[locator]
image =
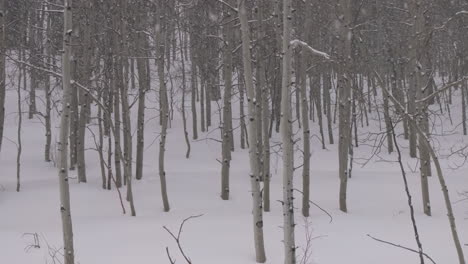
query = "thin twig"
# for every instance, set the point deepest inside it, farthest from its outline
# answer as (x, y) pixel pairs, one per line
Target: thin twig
(408, 195)
(177, 238)
(400, 246)
(169, 256)
(323, 210)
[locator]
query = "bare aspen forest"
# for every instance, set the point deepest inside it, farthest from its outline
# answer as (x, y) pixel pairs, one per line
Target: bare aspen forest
(233, 131)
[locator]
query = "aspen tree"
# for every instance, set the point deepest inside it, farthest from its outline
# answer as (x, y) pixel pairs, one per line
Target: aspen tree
(49, 51)
(164, 112)
(18, 135)
(344, 92)
(65, 210)
(143, 86)
(193, 95)
(305, 134)
(418, 90)
(264, 120)
(252, 127)
(227, 117)
(287, 141)
(184, 89)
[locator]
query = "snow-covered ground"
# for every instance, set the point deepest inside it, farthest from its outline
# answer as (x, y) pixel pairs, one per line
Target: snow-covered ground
(376, 201)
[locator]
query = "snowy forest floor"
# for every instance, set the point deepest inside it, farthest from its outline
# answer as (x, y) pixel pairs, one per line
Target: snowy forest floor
(377, 204)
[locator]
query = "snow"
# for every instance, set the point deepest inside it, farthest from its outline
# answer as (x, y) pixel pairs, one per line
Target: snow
(102, 234)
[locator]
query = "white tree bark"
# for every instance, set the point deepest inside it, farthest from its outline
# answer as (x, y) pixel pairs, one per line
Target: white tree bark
(252, 128)
(164, 113)
(47, 91)
(418, 62)
(19, 143)
(344, 87)
(184, 90)
(226, 129)
(305, 135)
(264, 122)
(143, 86)
(67, 229)
(194, 89)
(286, 139)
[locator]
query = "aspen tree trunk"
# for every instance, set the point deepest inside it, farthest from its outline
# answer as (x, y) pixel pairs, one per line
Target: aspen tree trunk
(184, 89)
(123, 85)
(132, 74)
(194, 84)
(202, 105)
(2, 69)
(258, 86)
(382, 41)
(266, 149)
(287, 141)
(258, 118)
(127, 136)
(109, 161)
(47, 91)
(208, 94)
(33, 56)
(463, 94)
(226, 129)
(254, 169)
(276, 105)
(306, 135)
(388, 124)
(143, 86)
(412, 73)
(107, 116)
(114, 93)
(326, 92)
(317, 98)
(265, 116)
(65, 210)
(18, 136)
(22, 51)
(84, 97)
(102, 162)
(117, 154)
(297, 105)
(108, 83)
(74, 118)
(164, 113)
(417, 63)
(243, 127)
(353, 126)
(344, 88)
(311, 99)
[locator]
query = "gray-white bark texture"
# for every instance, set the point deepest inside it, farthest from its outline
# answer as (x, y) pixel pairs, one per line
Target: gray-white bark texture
(164, 112)
(252, 128)
(344, 92)
(287, 141)
(65, 210)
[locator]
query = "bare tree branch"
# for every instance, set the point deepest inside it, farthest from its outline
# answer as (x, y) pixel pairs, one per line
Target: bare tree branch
(400, 246)
(178, 237)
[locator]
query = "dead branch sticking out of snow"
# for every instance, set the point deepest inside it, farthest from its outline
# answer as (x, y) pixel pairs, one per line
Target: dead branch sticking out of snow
(177, 240)
(400, 246)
